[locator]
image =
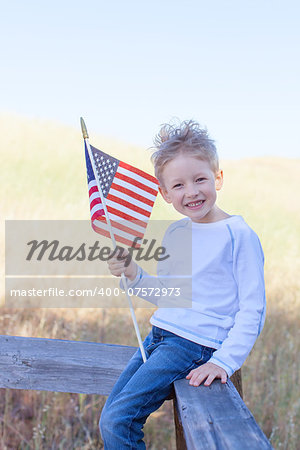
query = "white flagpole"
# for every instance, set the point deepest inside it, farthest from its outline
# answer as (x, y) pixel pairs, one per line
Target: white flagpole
(124, 281)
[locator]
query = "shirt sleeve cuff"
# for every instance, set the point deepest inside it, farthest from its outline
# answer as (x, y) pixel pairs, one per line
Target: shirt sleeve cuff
(133, 283)
(229, 370)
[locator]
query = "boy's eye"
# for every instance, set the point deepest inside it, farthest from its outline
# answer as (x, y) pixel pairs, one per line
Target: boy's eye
(177, 185)
(200, 179)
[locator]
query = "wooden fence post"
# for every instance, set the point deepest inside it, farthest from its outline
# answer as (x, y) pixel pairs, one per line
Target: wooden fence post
(180, 439)
(206, 418)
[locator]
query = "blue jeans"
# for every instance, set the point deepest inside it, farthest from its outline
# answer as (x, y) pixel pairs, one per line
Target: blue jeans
(143, 387)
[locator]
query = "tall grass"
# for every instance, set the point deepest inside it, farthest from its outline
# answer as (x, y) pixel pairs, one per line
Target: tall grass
(43, 177)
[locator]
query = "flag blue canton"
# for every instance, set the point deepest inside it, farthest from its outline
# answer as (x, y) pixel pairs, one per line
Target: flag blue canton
(106, 167)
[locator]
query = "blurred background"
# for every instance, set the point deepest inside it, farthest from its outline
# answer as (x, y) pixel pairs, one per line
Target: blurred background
(127, 68)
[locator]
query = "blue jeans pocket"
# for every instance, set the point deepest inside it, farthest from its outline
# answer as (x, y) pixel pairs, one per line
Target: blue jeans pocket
(206, 354)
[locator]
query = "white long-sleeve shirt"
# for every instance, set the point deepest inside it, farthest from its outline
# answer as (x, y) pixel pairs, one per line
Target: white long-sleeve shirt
(218, 269)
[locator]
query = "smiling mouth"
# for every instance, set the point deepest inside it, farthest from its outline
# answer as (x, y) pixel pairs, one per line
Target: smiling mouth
(194, 204)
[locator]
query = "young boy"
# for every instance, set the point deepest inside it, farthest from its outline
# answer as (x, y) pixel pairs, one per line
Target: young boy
(213, 337)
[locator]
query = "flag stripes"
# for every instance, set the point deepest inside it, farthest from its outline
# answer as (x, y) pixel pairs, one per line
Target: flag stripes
(128, 205)
(106, 233)
(120, 228)
(131, 194)
(141, 176)
(125, 216)
(135, 182)
(124, 185)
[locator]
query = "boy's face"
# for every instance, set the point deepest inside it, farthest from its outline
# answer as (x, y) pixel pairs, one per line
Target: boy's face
(190, 185)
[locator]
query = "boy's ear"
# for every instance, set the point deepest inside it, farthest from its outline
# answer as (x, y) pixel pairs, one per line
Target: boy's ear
(219, 180)
(164, 194)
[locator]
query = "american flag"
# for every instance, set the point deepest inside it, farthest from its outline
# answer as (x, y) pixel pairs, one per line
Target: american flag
(129, 192)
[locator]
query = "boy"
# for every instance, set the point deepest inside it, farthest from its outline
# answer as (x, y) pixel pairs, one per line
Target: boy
(213, 337)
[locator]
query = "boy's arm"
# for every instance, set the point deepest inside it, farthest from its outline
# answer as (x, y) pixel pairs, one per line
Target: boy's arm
(172, 286)
(142, 285)
(163, 290)
(248, 271)
(140, 282)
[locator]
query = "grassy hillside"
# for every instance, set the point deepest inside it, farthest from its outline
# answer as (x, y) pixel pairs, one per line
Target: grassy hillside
(43, 177)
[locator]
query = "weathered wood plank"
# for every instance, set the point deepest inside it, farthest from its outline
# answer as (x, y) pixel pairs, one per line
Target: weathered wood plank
(236, 379)
(179, 433)
(216, 418)
(61, 366)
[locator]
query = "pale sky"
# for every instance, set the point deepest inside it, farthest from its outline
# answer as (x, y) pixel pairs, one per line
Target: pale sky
(129, 66)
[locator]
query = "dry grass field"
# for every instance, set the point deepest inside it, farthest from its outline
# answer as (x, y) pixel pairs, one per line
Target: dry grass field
(43, 177)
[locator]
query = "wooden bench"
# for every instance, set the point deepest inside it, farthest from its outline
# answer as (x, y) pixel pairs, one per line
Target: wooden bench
(209, 418)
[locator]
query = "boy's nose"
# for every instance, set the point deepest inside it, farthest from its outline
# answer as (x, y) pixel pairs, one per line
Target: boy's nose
(192, 191)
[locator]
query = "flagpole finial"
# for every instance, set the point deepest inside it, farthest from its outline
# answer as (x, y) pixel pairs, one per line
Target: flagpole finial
(83, 129)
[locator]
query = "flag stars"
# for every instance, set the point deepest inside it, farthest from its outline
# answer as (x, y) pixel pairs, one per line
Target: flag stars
(106, 168)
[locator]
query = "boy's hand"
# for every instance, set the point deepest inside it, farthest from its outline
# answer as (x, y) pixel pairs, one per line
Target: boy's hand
(118, 264)
(208, 371)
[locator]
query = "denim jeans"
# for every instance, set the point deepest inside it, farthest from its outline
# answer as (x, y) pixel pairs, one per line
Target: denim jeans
(143, 387)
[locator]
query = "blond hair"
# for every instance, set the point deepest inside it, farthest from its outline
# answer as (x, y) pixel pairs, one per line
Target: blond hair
(185, 138)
